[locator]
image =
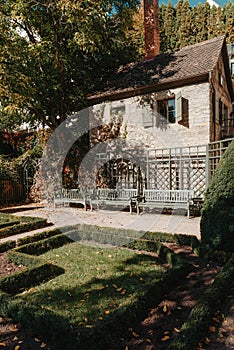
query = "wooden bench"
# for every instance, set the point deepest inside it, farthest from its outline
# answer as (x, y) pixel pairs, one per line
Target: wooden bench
(113, 197)
(165, 199)
(69, 196)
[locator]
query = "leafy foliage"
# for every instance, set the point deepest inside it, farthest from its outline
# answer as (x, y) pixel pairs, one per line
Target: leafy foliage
(53, 53)
(217, 228)
(202, 22)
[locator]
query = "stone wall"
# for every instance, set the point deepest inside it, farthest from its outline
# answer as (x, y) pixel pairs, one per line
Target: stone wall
(139, 118)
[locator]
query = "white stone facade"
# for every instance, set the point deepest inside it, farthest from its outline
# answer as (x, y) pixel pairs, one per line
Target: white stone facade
(140, 126)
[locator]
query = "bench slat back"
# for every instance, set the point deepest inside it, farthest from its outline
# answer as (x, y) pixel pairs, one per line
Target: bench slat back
(112, 194)
(168, 195)
(72, 194)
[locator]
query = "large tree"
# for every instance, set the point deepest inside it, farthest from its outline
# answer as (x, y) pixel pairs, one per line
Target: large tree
(54, 52)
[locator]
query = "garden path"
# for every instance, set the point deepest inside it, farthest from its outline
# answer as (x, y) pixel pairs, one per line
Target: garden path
(154, 222)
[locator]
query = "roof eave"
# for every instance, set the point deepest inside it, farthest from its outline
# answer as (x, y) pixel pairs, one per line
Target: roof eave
(141, 90)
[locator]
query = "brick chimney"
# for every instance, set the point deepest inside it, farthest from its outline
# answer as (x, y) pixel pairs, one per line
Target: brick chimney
(152, 33)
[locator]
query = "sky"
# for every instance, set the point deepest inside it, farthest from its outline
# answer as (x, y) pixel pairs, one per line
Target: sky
(194, 2)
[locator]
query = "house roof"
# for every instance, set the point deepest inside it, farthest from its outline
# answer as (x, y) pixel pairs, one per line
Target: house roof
(191, 63)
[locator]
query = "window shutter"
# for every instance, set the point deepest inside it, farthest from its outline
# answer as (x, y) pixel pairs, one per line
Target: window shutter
(179, 107)
(147, 118)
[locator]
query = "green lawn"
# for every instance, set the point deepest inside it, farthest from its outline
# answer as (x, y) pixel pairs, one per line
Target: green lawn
(96, 282)
(101, 291)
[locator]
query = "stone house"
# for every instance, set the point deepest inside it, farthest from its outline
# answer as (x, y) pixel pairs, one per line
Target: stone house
(173, 100)
(168, 108)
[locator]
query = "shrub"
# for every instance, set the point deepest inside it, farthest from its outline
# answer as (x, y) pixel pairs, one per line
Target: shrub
(217, 219)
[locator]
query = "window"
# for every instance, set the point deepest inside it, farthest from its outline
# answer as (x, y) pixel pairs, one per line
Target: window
(232, 68)
(220, 79)
(220, 111)
(166, 109)
(117, 114)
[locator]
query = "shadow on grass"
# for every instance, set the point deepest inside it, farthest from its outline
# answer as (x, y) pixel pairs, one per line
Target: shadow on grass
(92, 315)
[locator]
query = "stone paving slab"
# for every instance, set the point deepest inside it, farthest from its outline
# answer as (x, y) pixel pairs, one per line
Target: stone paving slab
(154, 222)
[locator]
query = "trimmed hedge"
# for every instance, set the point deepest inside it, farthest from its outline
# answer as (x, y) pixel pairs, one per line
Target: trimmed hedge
(217, 220)
(26, 224)
(7, 224)
(7, 245)
(197, 323)
(120, 237)
(43, 246)
(18, 282)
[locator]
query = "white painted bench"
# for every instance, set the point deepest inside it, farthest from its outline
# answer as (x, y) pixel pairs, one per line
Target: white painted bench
(113, 197)
(69, 196)
(166, 199)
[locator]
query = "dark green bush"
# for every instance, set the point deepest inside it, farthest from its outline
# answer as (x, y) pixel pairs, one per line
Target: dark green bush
(217, 221)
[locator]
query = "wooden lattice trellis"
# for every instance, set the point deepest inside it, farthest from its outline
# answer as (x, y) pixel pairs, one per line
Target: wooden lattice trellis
(179, 168)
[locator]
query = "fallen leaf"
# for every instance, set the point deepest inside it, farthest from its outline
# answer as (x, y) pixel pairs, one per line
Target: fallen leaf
(212, 329)
(17, 347)
(135, 334)
(165, 338)
(107, 312)
(207, 341)
(1, 320)
(114, 285)
(195, 265)
(15, 338)
(88, 326)
(176, 330)
(166, 332)
(101, 287)
(126, 347)
(3, 344)
(85, 319)
(215, 319)
(37, 340)
(14, 328)
(148, 341)
(43, 345)
(165, 308)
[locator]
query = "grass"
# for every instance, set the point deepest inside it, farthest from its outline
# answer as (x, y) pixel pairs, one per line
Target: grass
(102, 291)
(96, 283)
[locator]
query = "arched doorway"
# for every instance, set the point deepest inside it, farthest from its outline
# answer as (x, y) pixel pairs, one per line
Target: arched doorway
(120, 173)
